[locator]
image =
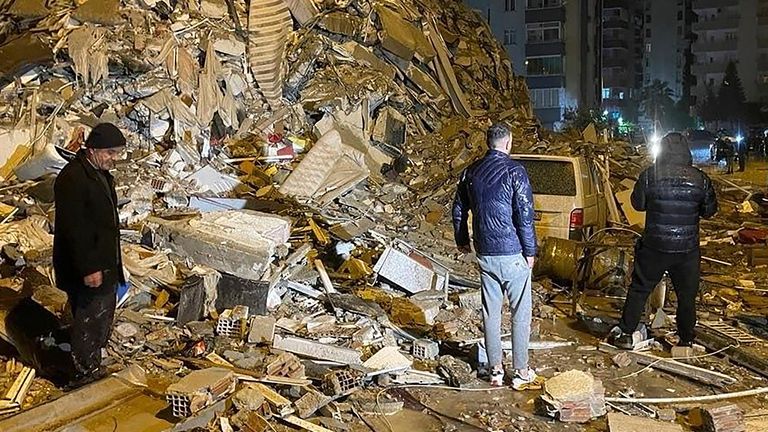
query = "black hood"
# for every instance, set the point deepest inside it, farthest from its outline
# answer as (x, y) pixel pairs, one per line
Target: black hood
(674, 150)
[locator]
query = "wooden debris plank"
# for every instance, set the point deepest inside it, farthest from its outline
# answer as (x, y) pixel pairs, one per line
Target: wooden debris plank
(305, 424)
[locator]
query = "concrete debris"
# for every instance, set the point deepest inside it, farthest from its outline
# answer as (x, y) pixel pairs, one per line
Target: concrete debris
(312, 401)
(573, 397)
(262, 330)
(284, 209)
(199, 390)
(286, 365)
(425, 349)
(248, 399)
(624, 423)
(724, 418)
(316, 350)
(457, 373)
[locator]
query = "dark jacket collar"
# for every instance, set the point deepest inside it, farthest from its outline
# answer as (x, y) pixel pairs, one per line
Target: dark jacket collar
(102, 177)
(496, 153)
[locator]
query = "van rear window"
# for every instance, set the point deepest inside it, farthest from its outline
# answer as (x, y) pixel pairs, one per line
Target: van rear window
(551, 177)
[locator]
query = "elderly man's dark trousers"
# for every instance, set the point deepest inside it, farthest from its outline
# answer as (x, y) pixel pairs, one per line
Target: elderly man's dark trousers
(93, 312)
(650, 266)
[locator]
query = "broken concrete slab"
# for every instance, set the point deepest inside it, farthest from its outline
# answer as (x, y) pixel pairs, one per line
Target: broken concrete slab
(248, 399)
(624, 423)
(240, 242)
(388, 359)
(457, 373)
(414, 313)
(262, 330)
(316, 350)
(402, 38)
(310, 402)
(405, 272)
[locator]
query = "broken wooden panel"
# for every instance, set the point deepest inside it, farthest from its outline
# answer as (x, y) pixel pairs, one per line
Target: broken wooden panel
(304, 11)
(269, 23)
(330, 169)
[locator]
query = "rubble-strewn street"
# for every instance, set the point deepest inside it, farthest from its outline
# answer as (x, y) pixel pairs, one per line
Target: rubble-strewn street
(285, 204)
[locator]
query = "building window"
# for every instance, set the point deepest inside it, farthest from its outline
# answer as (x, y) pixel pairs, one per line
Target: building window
(542, 4)
(551, 65)
(731, 36)
(621, 95)
(543, 32)
(546, 98)
(510, 37)
(509, 5)
(606, 93)
(647, 47)
(679, 15)
(647, 32)
(648, 19)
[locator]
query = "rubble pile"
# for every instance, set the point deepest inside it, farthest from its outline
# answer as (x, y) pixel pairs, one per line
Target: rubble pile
(285, 197)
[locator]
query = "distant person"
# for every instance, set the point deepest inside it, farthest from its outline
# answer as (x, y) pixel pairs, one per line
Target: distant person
(86, 247)
(742, 151)
(674, 195)
(497, 191)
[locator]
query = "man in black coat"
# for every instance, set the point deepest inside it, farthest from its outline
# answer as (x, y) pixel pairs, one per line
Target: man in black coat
(674, 195)
(86, 246)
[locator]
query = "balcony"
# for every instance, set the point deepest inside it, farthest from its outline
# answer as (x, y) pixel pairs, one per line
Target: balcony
(613, 62)
(615, 23)
(722, 22)
(615, 43)
(720, 45)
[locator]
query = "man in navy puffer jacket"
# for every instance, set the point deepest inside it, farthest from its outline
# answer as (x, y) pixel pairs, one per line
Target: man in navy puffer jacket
(497, 191)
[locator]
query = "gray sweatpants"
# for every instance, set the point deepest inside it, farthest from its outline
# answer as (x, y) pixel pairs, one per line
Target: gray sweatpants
(499, 276)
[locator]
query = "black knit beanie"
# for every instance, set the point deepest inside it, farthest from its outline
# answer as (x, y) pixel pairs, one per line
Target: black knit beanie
(104, 136)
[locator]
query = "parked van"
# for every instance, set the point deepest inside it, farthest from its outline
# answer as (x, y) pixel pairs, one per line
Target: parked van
(568, 196)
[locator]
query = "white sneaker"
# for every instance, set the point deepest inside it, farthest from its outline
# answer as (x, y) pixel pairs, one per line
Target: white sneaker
(497, 378)
(528, 381)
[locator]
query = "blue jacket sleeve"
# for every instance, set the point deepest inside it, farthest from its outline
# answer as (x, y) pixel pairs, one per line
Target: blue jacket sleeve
(460, 212)
(523, 211)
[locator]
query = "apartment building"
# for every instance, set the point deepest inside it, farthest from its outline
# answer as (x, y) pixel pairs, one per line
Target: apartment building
(555, 44)
(731, 30)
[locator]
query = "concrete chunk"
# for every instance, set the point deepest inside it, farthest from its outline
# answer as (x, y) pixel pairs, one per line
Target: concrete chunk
(240, 242)
(316, 350)
(262, 330)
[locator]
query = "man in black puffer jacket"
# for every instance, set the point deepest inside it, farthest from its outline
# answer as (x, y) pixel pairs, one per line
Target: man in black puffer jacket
(497, 191)
(674, 195)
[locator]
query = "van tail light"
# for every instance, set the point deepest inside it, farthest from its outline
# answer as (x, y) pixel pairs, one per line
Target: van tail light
(577, 219)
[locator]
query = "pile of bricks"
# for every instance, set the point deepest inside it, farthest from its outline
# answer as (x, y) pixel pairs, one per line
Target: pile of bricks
(572, 397)
(724, 418)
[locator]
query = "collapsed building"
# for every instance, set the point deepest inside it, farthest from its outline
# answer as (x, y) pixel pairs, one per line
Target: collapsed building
(285, 201)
